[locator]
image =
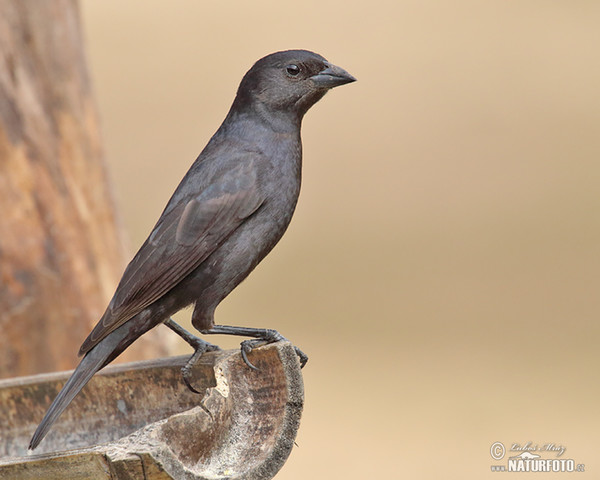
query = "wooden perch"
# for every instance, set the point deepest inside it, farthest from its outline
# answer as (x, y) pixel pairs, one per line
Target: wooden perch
(138, 421)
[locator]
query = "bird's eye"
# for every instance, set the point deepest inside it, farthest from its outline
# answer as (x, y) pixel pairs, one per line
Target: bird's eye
(292, 70)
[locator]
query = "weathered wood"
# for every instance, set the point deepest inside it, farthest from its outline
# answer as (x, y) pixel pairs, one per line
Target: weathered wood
(61, 252)
(139, 421)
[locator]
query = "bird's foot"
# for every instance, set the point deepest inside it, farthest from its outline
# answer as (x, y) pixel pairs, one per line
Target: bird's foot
(200, 348)
(262, 336)
(271, 336)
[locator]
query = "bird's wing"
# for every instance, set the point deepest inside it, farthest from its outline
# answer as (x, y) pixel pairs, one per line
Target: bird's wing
(181, 240)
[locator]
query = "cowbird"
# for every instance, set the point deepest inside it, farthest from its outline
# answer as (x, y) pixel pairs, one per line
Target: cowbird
(228, 212)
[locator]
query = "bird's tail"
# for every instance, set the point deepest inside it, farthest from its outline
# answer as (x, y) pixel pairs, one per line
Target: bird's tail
(94, 360)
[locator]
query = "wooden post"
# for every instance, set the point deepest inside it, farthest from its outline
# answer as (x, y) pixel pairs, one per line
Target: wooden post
(150, 426)
(61, 253)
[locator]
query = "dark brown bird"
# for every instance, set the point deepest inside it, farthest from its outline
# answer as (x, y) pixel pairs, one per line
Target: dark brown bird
(228, 212)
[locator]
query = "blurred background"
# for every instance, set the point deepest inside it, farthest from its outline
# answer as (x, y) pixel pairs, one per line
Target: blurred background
(442, 268)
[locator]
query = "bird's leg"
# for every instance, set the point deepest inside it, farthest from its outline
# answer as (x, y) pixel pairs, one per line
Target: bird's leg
(200, 346)
(261, 336)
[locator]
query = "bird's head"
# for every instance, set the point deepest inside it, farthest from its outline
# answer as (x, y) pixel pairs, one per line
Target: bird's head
(289, 83)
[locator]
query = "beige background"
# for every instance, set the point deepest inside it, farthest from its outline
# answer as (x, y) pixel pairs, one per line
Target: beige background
(442, 269)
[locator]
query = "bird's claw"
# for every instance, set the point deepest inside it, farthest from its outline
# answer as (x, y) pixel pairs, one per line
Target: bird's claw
(186, 373)
(303, 357)
(247, 346)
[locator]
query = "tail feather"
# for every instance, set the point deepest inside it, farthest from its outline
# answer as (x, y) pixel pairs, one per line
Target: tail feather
(93, 361)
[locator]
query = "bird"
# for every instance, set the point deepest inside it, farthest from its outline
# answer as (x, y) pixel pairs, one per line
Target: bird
(230, 209)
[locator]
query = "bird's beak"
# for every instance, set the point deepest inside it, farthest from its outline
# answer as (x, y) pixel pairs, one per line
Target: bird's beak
(332, 76)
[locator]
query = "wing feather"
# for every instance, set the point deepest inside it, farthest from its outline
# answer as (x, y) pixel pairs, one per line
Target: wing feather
(181, 240)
